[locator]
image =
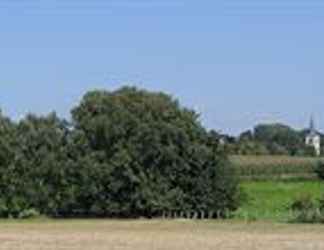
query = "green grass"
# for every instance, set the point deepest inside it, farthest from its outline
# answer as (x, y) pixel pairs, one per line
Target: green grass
(270, 200)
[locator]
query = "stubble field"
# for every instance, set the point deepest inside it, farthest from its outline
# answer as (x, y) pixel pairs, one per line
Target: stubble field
(158, 235)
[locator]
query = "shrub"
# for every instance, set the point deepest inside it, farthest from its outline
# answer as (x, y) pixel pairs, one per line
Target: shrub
(321, 204)
(303, 203)
(320, 170)
(28, 214)
(306, 210)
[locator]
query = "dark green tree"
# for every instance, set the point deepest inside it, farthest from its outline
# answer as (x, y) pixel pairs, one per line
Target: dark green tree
(156, 155)
(126, 153)
(37, 164)
(8, 178)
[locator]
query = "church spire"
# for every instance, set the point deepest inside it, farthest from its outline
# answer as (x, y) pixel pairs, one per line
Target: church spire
(313, 139)
(312, 125)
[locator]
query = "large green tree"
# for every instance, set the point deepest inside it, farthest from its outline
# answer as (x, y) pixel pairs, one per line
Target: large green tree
(126, 153)
(8, 177)
(155, 155)
(31, 175)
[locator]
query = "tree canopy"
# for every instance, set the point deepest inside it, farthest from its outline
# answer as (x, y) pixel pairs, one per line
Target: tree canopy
(126, 153)
(270, 139)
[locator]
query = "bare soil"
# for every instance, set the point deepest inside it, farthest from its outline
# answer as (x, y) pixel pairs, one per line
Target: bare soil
(158, 235)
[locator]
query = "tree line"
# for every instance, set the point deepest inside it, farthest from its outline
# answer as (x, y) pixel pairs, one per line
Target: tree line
(268, 139)
(125, 153)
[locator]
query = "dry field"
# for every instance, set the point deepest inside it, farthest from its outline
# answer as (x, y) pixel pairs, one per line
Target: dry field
(158, 235)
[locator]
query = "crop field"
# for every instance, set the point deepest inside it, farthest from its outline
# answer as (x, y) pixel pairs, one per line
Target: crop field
(158, 235)
(275, 167)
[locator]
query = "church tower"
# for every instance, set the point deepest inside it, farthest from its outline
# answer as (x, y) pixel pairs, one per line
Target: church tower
(313, 138)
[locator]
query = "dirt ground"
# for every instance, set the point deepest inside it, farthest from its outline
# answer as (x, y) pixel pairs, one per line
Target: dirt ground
(158, 235)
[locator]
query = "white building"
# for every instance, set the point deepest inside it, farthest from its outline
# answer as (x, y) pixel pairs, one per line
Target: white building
(313, 138)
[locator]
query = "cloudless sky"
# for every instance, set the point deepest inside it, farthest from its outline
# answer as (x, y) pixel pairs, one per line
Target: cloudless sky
(238, 62)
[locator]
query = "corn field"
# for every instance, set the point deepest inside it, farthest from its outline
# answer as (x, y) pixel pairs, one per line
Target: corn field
(275, 167)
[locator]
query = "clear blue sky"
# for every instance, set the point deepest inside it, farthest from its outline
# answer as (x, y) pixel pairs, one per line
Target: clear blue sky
(238, 62)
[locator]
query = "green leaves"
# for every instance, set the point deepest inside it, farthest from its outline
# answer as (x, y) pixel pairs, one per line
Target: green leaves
(272, 139)
(129, 153)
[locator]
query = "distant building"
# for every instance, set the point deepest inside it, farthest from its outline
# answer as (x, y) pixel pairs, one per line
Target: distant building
(313, 138)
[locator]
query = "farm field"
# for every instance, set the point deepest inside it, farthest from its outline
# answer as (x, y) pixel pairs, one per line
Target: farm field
(158, 235)
(275, 167)
(269, 200)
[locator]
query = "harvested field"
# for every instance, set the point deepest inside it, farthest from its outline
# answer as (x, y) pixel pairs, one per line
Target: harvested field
(158, 235)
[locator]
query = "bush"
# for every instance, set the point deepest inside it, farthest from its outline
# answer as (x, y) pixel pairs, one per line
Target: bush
(28, 214)
(320, 170)
(303, 203)
(306, 210)
(321, 205)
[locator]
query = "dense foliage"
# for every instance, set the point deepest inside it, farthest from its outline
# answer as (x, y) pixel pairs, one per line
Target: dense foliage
(320, 170)
(126, 153)
(306, 209)
(269, 139)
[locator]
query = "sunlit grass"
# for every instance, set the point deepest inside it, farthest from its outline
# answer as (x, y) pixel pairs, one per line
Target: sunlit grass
(270, 200)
